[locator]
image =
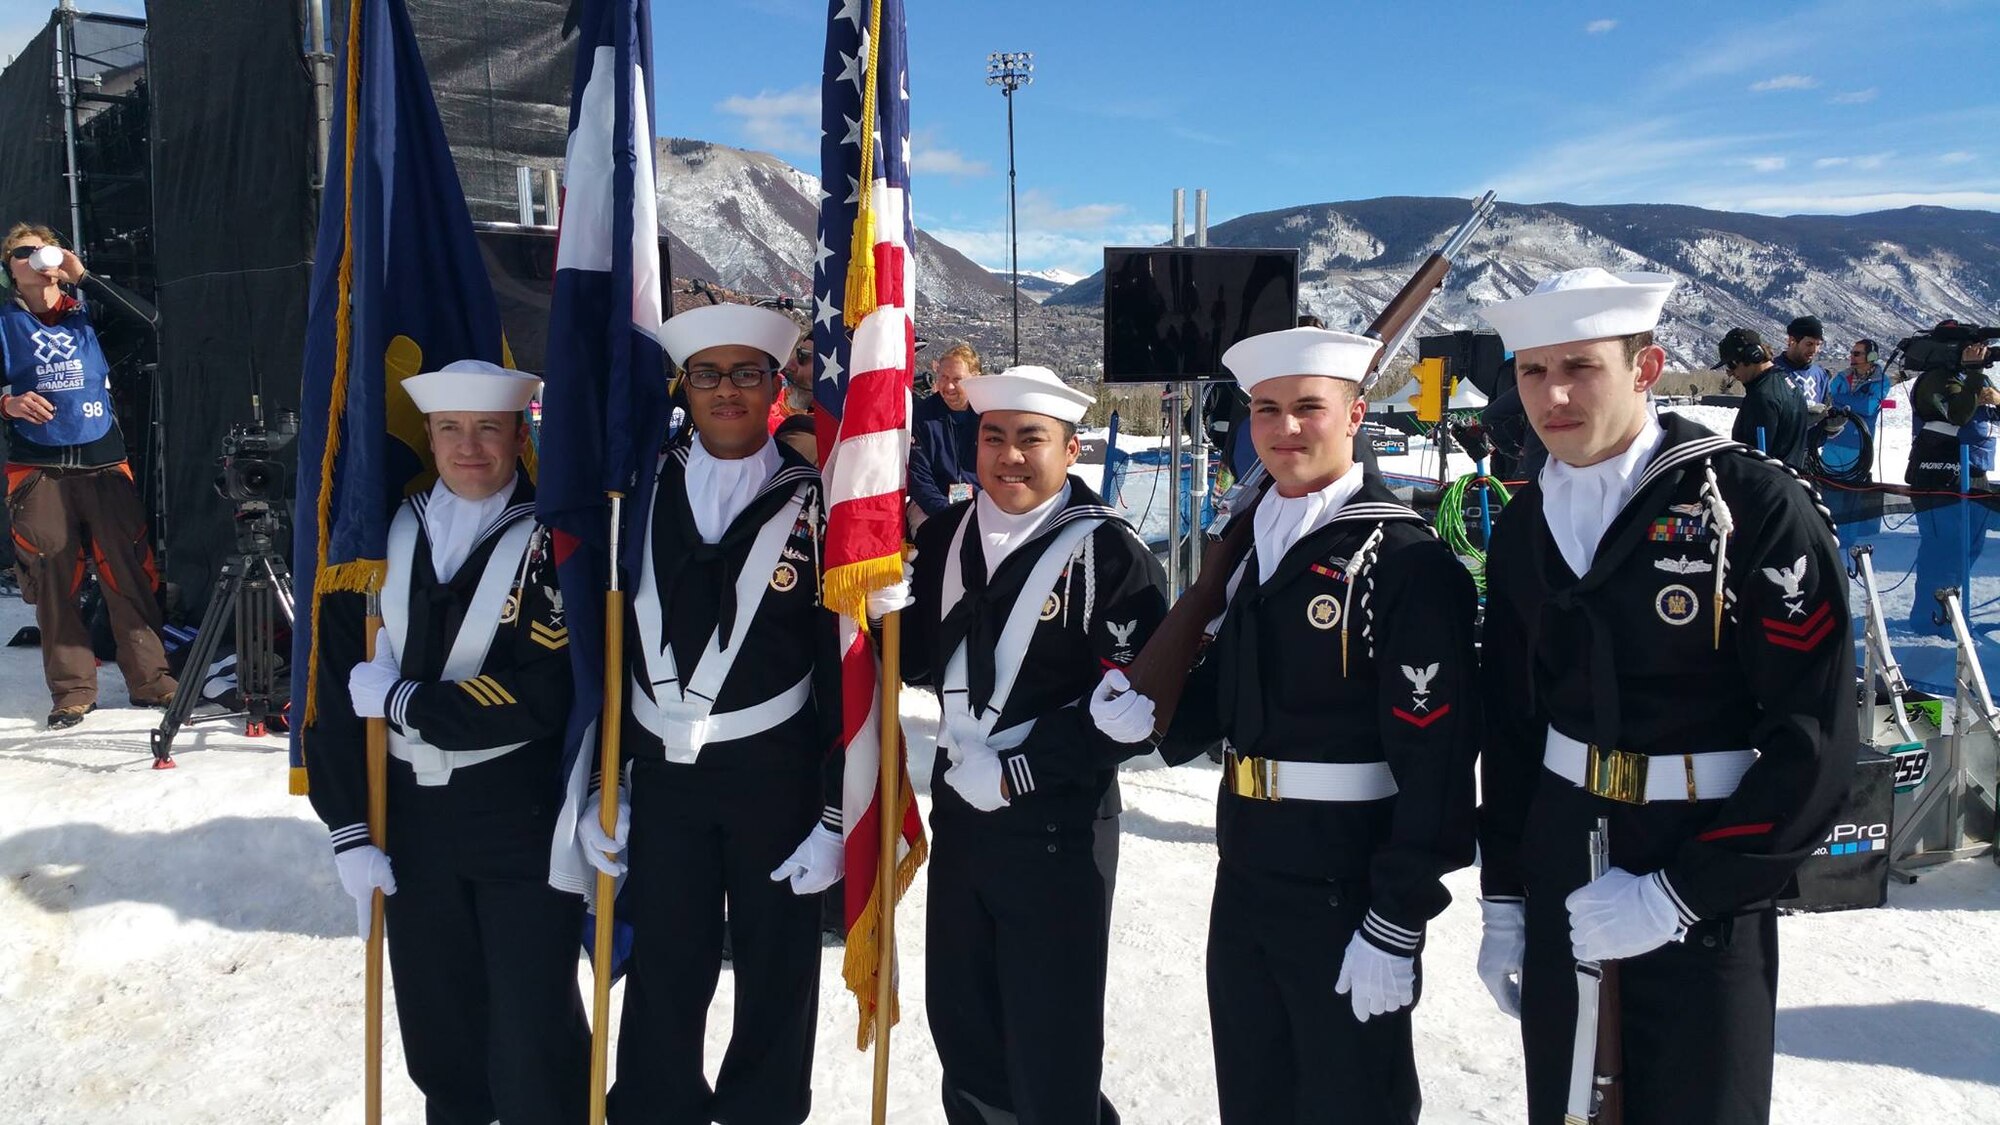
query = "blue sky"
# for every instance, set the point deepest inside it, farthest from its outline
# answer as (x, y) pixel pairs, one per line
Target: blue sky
(1836, 106)
(1781, 108)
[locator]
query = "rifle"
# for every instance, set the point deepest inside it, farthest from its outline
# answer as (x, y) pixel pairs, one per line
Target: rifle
(1161, 668)
(1597, 1056)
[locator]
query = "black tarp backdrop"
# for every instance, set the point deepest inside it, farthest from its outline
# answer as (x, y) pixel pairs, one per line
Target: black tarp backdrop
(500, 71)
(234, 214)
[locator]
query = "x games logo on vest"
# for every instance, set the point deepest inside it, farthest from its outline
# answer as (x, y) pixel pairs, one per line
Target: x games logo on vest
(57, 368)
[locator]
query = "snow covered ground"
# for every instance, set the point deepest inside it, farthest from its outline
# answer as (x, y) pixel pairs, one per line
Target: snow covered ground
(174, 949)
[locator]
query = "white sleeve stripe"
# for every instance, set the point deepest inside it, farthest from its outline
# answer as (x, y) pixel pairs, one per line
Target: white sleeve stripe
(1018, 772)
(1391, 927)
(1386, 934)
(349, 832)
(1688, 917)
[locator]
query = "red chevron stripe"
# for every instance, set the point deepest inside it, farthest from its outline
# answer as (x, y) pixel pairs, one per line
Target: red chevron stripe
(1802, 628)
(1801, 644)
(1420, 721)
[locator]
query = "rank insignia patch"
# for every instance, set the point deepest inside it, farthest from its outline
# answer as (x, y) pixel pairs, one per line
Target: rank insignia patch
(1677, 529)
(1676, 604)
(1801, 636)
(1323, 612)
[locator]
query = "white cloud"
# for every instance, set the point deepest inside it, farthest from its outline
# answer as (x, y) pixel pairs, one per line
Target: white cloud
(1855, 97)
(1958, 158)
(1784, 82)
(945, 162)
(1840, 200)
(1599, 27)
(1766, 163)
(779, 122)
(1040, 211)
(1640, 161)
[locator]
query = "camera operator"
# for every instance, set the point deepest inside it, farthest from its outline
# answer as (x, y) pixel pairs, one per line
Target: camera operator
(68, 483)
(1958, 413)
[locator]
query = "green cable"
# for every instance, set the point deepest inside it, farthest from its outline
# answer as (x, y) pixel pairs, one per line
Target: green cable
(1451, 525)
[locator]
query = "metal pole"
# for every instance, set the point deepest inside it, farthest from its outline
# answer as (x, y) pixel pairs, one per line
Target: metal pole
(1198, 437)
(524, 194)
(1180, 216)
(552, 190)
(1013, 224)
(1201, 216)
(321, 60)
(1172, 403)
(66, 89)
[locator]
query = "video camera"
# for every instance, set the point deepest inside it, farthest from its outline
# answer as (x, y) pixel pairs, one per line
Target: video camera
(256, 460)
(1943, 348)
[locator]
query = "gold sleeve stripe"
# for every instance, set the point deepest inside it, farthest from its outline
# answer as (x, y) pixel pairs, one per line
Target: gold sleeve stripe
(493, 685)
(478, 691)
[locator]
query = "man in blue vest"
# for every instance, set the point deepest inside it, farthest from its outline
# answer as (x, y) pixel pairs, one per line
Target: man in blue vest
(68, 487)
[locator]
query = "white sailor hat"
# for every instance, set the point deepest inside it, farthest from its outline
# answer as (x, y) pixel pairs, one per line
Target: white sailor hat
(1585, 304)
(715, 326)
(473, 385)
(1300, 351)
(1033, 389)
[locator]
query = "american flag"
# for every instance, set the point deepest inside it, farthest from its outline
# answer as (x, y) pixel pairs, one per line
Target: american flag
(864, 348)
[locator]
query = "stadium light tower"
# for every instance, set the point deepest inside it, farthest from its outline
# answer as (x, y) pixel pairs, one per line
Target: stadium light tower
(1011, 70)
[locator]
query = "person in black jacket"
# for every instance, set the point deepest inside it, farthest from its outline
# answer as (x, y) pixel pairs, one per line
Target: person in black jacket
(1773, 415)
(1342, 676)
(1024, 593)
(943, 430)
(471, 673)
(1666, 647)
(733, 768)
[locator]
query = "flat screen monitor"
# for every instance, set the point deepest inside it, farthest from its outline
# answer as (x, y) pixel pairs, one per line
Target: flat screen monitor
(1170, 312)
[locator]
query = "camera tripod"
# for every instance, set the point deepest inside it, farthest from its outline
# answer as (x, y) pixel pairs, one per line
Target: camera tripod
(254, 587)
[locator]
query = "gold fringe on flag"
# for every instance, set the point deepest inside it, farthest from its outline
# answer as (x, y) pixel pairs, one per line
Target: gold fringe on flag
(858, 964)
(861, 253)
(845, 589)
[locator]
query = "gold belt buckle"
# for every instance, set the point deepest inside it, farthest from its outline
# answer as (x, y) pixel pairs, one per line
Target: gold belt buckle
(1617, 774)
(1247, 778)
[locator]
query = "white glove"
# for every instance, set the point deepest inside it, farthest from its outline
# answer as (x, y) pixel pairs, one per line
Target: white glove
(362, 870)
(816, 864)
(1119, 710)
(1503, 944)
(976, 777)
(1378, 983)
(1620, 915)
(590, 830)
(368, 685)
(896, 597)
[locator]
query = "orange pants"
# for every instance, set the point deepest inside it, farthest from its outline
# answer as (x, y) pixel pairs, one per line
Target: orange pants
(59, 514)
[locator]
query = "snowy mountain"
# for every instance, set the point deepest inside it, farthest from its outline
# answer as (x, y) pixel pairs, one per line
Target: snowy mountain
(751, 221)
(1039, 285)
(1883, 274)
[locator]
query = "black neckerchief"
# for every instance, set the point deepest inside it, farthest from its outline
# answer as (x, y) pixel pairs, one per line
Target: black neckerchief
(1683, 445)
(981, 613)
(1241, 700)
(697, 586)
(434, 603)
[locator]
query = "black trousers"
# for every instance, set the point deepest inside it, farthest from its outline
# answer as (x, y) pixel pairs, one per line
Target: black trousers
(1287, 1046)
(484, 955)
(1016, 936)
(701, 837)
(1698, 1015)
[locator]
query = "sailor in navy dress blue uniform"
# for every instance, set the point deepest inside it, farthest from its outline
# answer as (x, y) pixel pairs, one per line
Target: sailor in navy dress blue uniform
(471, 673)
(1024, 594)
(1667, 647)
(1342, 676)
(733, 769)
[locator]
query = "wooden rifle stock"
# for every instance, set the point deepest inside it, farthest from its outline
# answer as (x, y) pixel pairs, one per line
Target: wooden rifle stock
(1160, 670)
(1609, 1076)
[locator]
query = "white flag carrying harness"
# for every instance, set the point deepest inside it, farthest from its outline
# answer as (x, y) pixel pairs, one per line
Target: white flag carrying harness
(468, 649)
(1011, 653)
(682, 715)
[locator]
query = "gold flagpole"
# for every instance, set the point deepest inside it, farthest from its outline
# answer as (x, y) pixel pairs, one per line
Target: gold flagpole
(888, 803)
(608, 742)
(378, 835)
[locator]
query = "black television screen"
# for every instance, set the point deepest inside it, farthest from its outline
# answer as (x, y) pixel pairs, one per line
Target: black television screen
(1170, 312)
